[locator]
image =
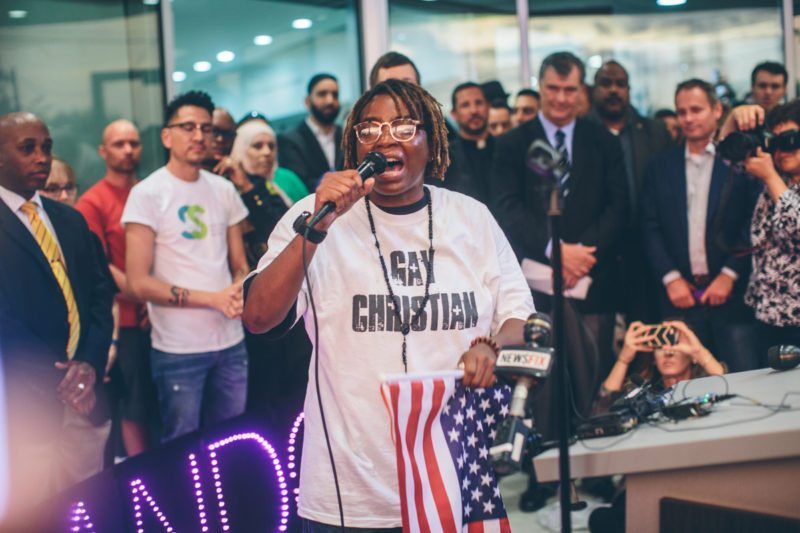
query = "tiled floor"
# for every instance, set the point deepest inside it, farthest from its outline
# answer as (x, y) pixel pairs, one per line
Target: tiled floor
(547, 519)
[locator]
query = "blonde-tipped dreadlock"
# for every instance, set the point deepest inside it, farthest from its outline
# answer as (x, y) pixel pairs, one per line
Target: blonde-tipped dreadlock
(420, 105)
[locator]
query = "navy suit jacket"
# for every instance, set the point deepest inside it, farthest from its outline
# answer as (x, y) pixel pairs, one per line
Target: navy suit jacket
(34, 329)
(300, 152)
(595, 212)
(665, 218)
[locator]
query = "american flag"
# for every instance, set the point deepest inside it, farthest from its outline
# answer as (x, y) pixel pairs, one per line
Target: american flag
(442, 432)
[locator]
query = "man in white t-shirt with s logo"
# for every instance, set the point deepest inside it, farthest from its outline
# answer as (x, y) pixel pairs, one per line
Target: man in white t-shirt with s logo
(186, 260)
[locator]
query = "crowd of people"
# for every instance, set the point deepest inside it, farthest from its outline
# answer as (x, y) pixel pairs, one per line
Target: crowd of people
(178, 300)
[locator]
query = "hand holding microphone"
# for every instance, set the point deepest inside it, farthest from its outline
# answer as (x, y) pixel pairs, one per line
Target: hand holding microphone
(338, 191)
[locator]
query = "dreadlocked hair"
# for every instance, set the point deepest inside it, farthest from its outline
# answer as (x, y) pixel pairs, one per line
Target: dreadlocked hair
(420, 105)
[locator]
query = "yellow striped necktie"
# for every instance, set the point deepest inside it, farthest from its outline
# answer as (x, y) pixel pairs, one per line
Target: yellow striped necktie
(51, 251)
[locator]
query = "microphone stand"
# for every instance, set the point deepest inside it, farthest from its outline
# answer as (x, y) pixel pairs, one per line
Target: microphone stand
(562, 395)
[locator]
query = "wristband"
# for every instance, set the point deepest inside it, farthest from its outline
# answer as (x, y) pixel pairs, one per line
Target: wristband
(301, 227)
(490, 342)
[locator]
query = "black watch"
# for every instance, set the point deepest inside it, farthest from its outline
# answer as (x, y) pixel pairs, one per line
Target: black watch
(302, 228)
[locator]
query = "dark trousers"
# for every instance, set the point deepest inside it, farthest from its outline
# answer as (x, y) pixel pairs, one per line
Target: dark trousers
(581, 355)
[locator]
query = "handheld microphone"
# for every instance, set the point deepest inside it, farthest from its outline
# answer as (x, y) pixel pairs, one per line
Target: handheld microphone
(373, 163)
(783, 357)
(527, 366)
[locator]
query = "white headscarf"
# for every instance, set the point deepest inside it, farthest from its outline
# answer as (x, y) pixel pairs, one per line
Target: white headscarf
(244, 137)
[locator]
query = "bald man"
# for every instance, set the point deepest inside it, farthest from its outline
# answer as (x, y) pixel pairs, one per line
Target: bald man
(55, 324)
(102, 206)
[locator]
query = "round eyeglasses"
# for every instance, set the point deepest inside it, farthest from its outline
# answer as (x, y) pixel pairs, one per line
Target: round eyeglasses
(401, 129)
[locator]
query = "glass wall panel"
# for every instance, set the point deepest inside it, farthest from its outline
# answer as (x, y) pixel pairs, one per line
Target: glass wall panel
(259, 55)
(661, 48)
(79, 65)
(452, 42)
(797, 47)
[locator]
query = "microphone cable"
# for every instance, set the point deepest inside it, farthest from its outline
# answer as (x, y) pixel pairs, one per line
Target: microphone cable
(316, 380)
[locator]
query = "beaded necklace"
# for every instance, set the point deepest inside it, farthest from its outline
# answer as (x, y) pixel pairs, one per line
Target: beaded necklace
(405, 327)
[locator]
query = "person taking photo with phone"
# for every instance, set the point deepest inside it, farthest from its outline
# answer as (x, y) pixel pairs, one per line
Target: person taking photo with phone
(686, 359)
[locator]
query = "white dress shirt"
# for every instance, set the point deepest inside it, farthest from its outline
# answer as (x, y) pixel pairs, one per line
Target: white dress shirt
(699, 168)
(14, 202)
(550, 130)
(327, 141)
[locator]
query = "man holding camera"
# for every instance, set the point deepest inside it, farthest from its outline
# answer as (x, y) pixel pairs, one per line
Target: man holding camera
(691, 235)
(774, 288)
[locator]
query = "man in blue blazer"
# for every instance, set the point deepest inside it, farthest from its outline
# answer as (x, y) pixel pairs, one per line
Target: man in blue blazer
(695, 245)
(50, 368)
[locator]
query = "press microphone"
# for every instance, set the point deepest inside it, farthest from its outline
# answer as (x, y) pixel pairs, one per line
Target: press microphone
(783, 357)
(527, 366)
(373, 163)
(545, 161)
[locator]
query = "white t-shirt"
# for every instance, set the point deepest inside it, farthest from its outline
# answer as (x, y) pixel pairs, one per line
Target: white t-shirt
(190, 220)
(477, 286)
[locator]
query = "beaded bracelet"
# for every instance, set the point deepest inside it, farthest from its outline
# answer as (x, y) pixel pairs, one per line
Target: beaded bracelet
(490, 342)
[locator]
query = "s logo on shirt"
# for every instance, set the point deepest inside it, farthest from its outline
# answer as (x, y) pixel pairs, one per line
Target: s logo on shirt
(195, 227)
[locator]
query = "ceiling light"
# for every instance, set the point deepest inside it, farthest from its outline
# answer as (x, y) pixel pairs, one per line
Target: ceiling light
(226, 56)
(202, 66)
(17, 14)
(178, 76)
(302, 24)
(150, 2)
(262, 40)
(670, 3)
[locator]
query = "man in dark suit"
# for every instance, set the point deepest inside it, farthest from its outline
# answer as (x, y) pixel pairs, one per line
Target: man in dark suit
(594, 216)
(595, 208)
(691, 240)
(314, 146)
(55, 311)
(641, 139)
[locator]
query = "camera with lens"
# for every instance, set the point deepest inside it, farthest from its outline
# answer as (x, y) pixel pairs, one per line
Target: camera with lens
(740, 145)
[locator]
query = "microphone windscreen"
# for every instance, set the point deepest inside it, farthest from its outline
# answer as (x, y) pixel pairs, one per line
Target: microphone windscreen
(783, 357)
(538, 328)
(378, 161)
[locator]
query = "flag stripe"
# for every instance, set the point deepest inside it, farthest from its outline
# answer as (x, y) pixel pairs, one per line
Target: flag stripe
(411, 434)
(438, 490)
(394, 390)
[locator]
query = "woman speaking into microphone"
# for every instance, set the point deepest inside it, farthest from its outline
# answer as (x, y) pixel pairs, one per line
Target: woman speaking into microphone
(404, 277)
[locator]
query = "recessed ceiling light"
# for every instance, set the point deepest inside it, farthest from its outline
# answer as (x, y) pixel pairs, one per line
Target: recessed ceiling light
(670, 3)
(178, 76)
(226, 56)
(262, 40)
(202, 66)
(17, 14)
(302, 24)
(595, 61)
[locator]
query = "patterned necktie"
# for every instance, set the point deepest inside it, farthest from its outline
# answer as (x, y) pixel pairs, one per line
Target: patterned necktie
(50, 249)
(561, 147)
